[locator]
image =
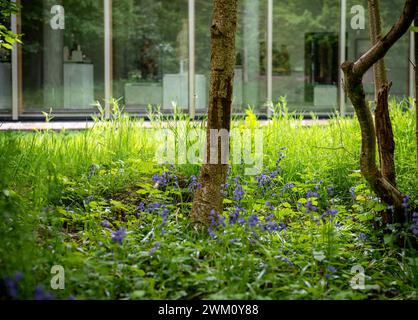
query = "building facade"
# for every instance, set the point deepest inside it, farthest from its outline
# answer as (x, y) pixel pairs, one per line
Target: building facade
(150, 52)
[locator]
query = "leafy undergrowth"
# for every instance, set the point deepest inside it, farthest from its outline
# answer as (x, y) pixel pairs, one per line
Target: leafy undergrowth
(96, 203)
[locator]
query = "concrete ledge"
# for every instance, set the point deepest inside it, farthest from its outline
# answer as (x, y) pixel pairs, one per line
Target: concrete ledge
(82, 125)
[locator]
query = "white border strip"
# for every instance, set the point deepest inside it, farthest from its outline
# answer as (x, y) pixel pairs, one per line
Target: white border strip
(343, 41)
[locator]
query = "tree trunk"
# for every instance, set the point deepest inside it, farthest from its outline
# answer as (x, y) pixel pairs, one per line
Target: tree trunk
(214, 173)
(354, 72)
(384, 131)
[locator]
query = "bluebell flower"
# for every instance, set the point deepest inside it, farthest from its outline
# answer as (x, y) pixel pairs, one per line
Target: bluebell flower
(41, 294)
(105, 224)
(252, 221)
(212, 217)
(263, 181)
(332, 212)
(286, 260)
(239, 193)
(330, 191)
(405, 202)
(362, 236)
(233, 217)
(310, 207)
(241, 221)
(353, 192)
(154, 248)
(88, 200)
(338, 225)
(12, 284)
(312, 194)
(211, 233)
(332, 269)
(194, 183)
(288, 186)
(141, 207)
(221, 221)
(119, 236)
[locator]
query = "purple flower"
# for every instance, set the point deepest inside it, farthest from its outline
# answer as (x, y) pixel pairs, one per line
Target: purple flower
(140, 207)
(239, 193)
(405, 202)
(194, 183)
(241, 221)
(312, 194)
(41, 294)
(330, 191)
(105, 224)
(338, 225)
(332, 269)
(88, 200)
(12, 284)
(362, 236)
(221, 221)
(253, 220)
(332, 212)
(154, 248)
(263, 181)
(211, 233)
(233, 217)
(119, 236)
(310, 207)
(286, 260)
(353, 192)
(288, 186)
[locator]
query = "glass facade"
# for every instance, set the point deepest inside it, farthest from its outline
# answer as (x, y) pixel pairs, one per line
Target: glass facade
(62, 55)
(150, 53)
(305, 54)
(5, 77)
(75, 53)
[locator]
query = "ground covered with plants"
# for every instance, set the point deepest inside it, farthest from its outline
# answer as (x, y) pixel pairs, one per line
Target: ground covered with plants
(97, 203)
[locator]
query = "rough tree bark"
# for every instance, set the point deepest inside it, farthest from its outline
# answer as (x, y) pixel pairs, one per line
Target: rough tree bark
(213, 175)
(354, 72)
(384, 131)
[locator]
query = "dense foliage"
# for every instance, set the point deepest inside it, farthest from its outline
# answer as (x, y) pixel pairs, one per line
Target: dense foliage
(97, 203)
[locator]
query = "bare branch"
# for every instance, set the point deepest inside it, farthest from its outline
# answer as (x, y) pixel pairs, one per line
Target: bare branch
(383, 45)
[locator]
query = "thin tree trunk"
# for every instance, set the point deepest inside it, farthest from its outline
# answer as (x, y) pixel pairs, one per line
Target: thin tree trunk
(213, 175)
(354, 72)
(384, 131)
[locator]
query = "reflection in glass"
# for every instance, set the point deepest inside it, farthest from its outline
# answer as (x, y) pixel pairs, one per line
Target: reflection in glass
(5, 76)
(396, 60)
(250, 78)
(150, 52)
(305, 54)
(63, 55)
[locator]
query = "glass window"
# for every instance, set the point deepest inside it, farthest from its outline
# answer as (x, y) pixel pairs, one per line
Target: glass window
(63, 55)
(250, 84)
(150, 54)
(305, 54)
(5, 76)
(358, 42)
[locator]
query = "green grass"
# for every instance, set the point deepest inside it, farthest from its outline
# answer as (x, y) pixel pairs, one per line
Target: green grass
(57, 188)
